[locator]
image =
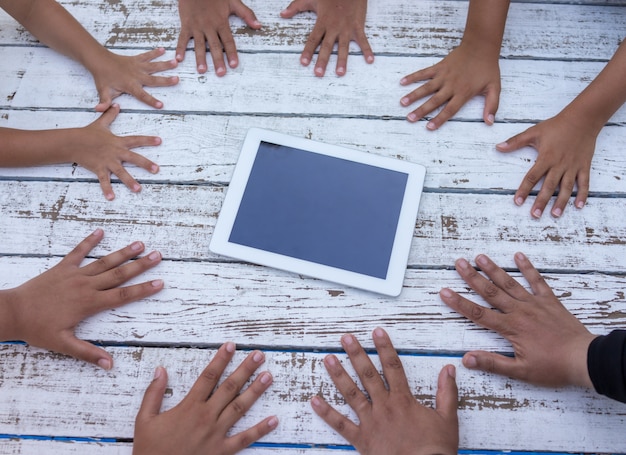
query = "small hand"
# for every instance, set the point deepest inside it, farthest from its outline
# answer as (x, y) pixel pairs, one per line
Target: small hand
(550, 344)
(463, 74)
(119, 74)
(103, 153)
(391, 421)
(200, 423)
(207, 22)
(338, 21)
(47, 309)
(565, 150)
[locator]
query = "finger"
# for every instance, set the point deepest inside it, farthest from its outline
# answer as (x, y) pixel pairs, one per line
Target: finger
(151, 54)
(323, 55)
(476, 313)
(181, 45)
(153, 397)
(346, 386)
(114, 298)
(112, 260)
(108, 116)
(419, 76)
(217, 54)
(583, 189)
(566, 187)
(127, 179)
(83, 350)
(342, 56)
(141, 161)
(295, 7)
(105, 99)
(80, 251)
(145, 97)
(452, 107)
(364, 44)
(247, 15)
(530, 180)
(503, 281)
(546, 192)
(236, 409)
(365, 369)
(338, 422)
(492, 102)
(392, 366)
(314, 40)
(495, 295)
(492, 363)
(447, 400)
(424, 90)
(199, 47)
(526, 138)
(105, 184)
(533, 277)
(242, 440)
(205, 384)
(230, 49)
(121, 274)
(232, 385)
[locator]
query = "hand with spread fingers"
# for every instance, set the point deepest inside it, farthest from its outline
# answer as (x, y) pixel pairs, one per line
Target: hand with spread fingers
(45, 311)
(391, 421)
(206, 22)
(338, 21)
(550, 344)
(201, 422)
(469, 70)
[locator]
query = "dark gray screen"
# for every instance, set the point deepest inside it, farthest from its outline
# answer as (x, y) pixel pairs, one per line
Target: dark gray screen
(321, 209)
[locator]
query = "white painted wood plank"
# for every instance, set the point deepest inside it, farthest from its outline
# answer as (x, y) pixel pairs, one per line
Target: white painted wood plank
(105, 403)
(259, 306)
(531, 90)
(534, 29)
(51, 217)
(205, 148)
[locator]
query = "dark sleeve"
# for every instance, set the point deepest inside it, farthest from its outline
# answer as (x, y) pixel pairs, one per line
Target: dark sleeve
(606, 362)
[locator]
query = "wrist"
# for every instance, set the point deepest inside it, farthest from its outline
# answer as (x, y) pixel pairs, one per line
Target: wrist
(579, 373)
(9, 327)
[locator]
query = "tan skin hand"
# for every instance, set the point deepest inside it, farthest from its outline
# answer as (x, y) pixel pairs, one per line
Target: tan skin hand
(97, 149)
(462, 75)
(46, 310)
(338, 21)
(391, 421)
(118, 74)
(565, 149)
(550, 344)
(201, 422)
(206, 22)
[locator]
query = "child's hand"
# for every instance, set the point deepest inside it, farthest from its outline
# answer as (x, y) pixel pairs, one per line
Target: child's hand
(565, 149)
(463, 74)
(118, 74)
(46, 310)
(201, 422)
(390, 420)
(206, 22)
(338, 21)
(103, 153)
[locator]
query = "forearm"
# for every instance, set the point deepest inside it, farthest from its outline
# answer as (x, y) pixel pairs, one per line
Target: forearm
(55, 27)
(606, 361)
(485, 24)
(20, 148)
(603, 97)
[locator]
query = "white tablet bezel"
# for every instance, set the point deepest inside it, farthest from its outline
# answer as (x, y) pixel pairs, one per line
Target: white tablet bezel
(391, 285)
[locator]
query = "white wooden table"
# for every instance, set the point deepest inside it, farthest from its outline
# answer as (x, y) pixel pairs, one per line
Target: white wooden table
(53, 404)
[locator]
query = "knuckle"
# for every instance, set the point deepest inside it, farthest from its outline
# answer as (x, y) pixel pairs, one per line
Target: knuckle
(394, 363)
(230, 386)
(477, 312)
(124, 294)
(238, 408)
(369, 373)
(490, 290)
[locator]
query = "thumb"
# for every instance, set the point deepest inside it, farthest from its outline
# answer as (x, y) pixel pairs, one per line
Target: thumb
(109, 115)
(153, 398)
(517, 142)
(247, 15)
(105, 101)
(447, 400)
(492, 101)
(295, 7)
(87, 352)
(491, 363)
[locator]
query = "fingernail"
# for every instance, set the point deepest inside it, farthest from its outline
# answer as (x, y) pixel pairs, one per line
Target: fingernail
(155, 255)
(379, 333)
(98, 232)
(201, 68)
(319, 71)
(256, 24)
(501, 145)
(411, 117)
(257, 357)
(580, 204)
(136, 188)
(404, 101)
(230, 347)
(179, 58)
(158, 372)
(158, 104)
(431, 126)
(220, 71)
(519, 201)
(266, 378)
(403, 81)
(341, 70)
(557, 212)
(451, 371)
(136, 246)
(537, 213)
(330, 360)
(154, 168)
(305, 61)
(370, 59)
(445, 292)
(316, 402)
(470, 361)
(273, 422)
(481, 260)
(232, 63)
(491, 118)
(109, 196)
(104, 364)
(157, 283)
(463, 264)
(347, 340)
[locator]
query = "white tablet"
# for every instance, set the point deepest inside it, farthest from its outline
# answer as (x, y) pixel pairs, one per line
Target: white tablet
(320, 210)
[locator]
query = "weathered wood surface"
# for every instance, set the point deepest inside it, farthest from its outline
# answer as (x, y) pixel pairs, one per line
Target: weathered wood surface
(550, 53)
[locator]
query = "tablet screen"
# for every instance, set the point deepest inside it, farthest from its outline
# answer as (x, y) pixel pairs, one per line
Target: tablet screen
(320, 208)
